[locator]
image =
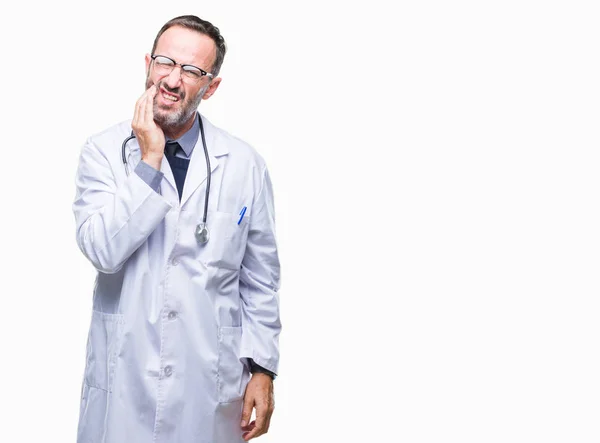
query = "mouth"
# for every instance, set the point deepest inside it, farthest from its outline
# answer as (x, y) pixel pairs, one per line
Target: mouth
(168, 98)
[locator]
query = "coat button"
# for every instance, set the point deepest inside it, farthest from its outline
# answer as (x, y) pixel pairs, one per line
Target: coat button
(168, 371)
(172, 315)
(175, 261)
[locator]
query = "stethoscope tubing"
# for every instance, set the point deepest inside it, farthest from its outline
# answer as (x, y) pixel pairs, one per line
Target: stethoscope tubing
(207, 170)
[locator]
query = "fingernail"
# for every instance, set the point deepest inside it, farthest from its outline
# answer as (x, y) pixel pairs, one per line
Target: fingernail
(243, 423)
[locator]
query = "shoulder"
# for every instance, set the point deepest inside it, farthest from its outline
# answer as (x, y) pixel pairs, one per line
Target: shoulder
(118, 131)
(234, 146)
(107, 143)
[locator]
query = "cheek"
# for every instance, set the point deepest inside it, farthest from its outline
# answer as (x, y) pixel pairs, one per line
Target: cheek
(157, 80)
(204, 90)
(153, 80)
(190, 93)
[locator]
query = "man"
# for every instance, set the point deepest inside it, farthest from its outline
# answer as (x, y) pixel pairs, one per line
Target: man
(183, 342)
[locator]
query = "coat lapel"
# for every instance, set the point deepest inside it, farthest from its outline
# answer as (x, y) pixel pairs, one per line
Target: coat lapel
(197, 170)
(165, 168)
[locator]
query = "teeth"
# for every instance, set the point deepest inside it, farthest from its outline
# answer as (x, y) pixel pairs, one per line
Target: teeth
(170, 97)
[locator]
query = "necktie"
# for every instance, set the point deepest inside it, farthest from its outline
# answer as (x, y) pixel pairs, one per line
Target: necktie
(171, 148)
(179, 166)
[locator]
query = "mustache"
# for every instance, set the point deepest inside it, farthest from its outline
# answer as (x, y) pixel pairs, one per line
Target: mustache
(175, 91)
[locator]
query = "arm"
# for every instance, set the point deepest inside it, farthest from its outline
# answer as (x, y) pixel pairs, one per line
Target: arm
(112, 222)
(259, 284)
(151, 176)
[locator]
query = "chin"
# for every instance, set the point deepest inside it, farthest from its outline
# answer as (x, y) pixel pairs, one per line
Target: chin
(168, 119)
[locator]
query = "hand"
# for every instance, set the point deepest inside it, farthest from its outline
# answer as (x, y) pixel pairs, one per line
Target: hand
(259, 394)
(150, 136)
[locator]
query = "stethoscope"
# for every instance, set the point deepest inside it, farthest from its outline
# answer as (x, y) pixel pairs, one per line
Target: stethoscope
(201, 233)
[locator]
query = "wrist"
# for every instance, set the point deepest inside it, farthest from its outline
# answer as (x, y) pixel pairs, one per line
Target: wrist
(263, 376)
(256, 369)
(153, 160)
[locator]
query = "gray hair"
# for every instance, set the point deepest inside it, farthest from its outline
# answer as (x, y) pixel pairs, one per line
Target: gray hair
(203, 27)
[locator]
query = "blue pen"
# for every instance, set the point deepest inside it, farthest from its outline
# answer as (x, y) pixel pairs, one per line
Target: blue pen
(242, 212)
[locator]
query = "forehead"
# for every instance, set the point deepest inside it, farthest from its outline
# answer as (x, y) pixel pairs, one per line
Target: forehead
(187, 46)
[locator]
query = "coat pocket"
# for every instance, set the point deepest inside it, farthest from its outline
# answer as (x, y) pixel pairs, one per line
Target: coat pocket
(104, 342)
(232, 375)
(227, 243)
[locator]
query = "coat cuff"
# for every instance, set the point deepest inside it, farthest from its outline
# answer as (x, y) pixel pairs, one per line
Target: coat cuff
(255, 368)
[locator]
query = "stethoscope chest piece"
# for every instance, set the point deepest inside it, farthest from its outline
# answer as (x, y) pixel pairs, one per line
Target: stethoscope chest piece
(202, 233)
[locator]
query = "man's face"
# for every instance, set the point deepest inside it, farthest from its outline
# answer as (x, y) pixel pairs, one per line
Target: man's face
(177, 100)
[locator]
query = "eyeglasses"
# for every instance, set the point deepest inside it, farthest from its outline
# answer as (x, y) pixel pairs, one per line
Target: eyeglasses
(189, 73)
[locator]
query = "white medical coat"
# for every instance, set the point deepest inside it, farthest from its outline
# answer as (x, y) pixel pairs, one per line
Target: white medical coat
(173, 321)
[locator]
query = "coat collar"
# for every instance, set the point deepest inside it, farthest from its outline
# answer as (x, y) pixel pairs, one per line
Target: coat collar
(188, 140)
(196, 175)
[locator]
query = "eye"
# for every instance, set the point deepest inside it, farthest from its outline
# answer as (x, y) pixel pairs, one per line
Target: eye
(163, 61)
(192, 72)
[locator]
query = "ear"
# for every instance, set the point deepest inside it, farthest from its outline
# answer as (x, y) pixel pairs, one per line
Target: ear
(214, 84)
(148, 61)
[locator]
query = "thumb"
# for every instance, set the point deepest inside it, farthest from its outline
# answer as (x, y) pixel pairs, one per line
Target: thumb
(247, 410)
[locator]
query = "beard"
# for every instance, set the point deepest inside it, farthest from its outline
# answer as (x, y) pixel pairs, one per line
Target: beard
(173, 119)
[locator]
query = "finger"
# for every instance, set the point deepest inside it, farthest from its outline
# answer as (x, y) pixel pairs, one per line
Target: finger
(149, 117)
(136, 112)
(138, 117)
(247, 409)
(271, 407)
(247, 435)
(140, 101)
(260, 423)
(252, 434)
(269, 415)
(146, 109)
(249, 427)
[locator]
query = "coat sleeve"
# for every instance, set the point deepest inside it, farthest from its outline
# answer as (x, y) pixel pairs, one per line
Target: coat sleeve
(112, 222)
(259, 284)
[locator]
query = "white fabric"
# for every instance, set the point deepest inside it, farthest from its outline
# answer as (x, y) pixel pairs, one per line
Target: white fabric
(174, 321)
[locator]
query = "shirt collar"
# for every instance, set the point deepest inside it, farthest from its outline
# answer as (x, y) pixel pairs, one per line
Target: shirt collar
(188, 140)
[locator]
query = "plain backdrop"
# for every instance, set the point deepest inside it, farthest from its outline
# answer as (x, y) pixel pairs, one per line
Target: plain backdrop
(435, 168)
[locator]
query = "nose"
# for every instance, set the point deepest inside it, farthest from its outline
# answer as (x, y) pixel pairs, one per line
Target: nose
(173, 80)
